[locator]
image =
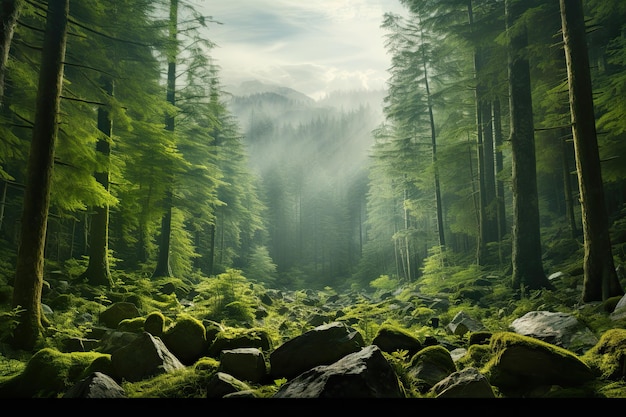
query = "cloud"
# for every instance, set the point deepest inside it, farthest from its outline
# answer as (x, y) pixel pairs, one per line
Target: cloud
(314, 47)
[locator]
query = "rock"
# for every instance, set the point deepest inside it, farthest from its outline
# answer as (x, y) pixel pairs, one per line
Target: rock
(145, 357)
(522, 363)
(466, 383)
(117, 312)
(362, 374)
(246, 364)
(96, 385)
(556, 328)
(429, 366)
(322, 345)
(390, 339)
(222, 384)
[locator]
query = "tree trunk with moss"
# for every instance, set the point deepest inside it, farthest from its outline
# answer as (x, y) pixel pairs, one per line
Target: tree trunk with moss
(600, 278)
(30, 258)
(527, 267)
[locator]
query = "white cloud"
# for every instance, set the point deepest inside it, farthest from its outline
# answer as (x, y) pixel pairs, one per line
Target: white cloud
(314, 47)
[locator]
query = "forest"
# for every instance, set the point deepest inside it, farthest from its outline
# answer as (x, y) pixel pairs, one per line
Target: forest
(128, 172)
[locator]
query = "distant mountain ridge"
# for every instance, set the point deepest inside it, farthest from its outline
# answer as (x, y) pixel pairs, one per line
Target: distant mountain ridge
(256, 87)
(254, 100)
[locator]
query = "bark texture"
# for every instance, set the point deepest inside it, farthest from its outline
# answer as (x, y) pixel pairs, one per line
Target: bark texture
(600, 278)
(30, 258)
(527, 267)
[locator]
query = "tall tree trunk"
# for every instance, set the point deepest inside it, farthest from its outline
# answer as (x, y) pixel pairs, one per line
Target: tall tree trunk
(489, 173)
(163, 268)
(600, 278)
(481, 247)
(528, 272)
(9, 12)
(433, 138)
(567, 185)
(98, 272)
(30, 257)
(498, 140)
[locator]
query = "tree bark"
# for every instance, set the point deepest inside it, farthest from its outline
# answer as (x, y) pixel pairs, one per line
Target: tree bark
(498, 139)
(600, 278)
(527, 267)
(163, 268)
(98, 271)
(481, 244)
(9, 12)
(30, 258)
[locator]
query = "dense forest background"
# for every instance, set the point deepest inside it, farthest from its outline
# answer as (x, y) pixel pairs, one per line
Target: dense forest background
(158, 170)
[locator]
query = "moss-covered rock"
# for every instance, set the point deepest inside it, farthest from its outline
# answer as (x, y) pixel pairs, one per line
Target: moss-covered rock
(155, 324)
(49, 373)
(134, 325)
(390, 339)
(608, 356)
(429, 366)
(522, 363)
(233, 338)
(186, 339)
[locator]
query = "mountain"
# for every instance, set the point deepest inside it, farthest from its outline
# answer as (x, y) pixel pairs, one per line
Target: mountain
(254, 102)
(256, 87)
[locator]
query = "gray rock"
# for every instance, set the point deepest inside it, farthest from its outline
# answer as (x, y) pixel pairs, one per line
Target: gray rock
(96, 385)
(143, 358)
(322, 345)
(247, 364)
(466, 383)
(561, 329)
(362, 374)
(222, 384)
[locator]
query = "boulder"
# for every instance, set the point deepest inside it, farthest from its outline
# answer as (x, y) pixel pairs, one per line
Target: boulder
(362, 374)
(321, 345)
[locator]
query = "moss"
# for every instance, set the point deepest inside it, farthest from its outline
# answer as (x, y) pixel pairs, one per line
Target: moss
(49, 373)
(232, 338)
(522, 363)
(183, 383)
(134, 325)
(613, 390)
(476, 356)
(436, 354)
(479, 338)
(502, 340)
(186, 338)
(608, 356)
(155, 323)
(207, 364)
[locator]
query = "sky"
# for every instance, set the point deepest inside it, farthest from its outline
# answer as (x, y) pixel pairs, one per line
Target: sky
(314, 46)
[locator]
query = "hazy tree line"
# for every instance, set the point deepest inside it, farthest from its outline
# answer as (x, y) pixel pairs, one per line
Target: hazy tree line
(311, 159)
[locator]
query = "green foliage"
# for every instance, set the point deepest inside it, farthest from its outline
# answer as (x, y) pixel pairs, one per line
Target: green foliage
(190, 382)
(8, 322)
(260, 266)
(227, 293)
(385, 283)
